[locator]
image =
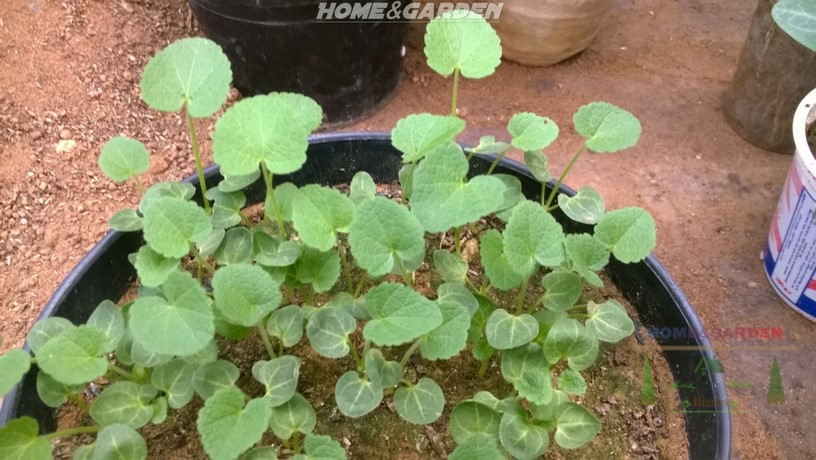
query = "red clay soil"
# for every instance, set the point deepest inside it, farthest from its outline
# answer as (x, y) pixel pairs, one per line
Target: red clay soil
(69, 81)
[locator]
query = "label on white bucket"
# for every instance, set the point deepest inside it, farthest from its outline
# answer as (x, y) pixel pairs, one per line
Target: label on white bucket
(790, 253)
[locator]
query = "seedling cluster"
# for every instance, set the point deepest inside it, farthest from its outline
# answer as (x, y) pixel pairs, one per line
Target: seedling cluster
(339, 269)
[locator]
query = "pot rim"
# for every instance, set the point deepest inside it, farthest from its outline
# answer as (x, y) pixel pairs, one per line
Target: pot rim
(800, 131)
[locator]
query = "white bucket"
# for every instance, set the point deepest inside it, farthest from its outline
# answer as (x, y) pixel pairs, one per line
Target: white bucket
(790, 252)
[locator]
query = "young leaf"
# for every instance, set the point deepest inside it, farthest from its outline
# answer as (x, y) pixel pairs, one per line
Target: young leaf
(511, 196)
(46, 329)
(422, 403)
(122, 158)
(171, 224)
(122, 403)
(192, 73)
(362, 187)
(586, 255)
(320, 269)
(228, 330)
(270, 251)
(440, 198)
(537, 164)
(480, 317)
(175, 378)
(488, 145)
(457, 294)
(798, 19)
(482, 350)
(521, 437)
(158, 190)
(20, 440)
(487, 398)
(179, 324)
(575, 426)
(572, 382)
(548, 412)
(418, 134)
(515, 362)
(286, 324)
(628, 232)
(355, 395)
(321, 447)
(236, 248)
(211, 243)
(214, 376)
(328, 330)
(152, 267)
(384, 235)
(235, 183)
(497, 268)
(531, 132)
(296, 415)
(227, 427)
(119, 442)
(318, 213)
(533, 237)
(13, 366)
(567, 339)
(52, 392)
(383, 373)
(126, 220)
(285, 195)
(226, 211)
(399, 314)
(535, 386)
(451, 267)
(159, 407)
(450, 337)
(244, 293)
(586, 207)
(471, 418)
(609, 321)
(206, 355)
(606, 128)
(562, 290)
(463, 40)
(271, 128)
(260, 453)
(505, 331)
(108, 318)
(75, 355)
(478, 447)
(140, 355)
(344, 301)
(279, 376)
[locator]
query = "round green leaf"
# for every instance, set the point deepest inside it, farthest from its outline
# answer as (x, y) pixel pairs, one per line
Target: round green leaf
(52, 392)
(122, 158)
(572, 382)
(286, 324)
(548, 412)
(586, 255)
(451, 267)
(355, 395)
(568, 338)
(575, 426)
(383, 373)
(488, 145)
(398, 314)
(174, 378)
(75, 355)
(479, 447)
(122, 403)
(384, 235)
(463, 40)
(279, 376)
(535, 386)
(109, 319)
(521, 437)
(328, 330)
(505, 331)
(227, 427)
(344, 301)
(320, 269)
(533, 236)
(226, 209)
(179, 324)
(511, 196)
(457, 294)
(152, 267)
(261, 453)
(159, 407)
(269, 128)
(531, 132)
(233, 183)
(236, 248)
(606, 128)
(13, 366)
(119, 442)
(517, 361)
(211, 243)
(295, 415)
(422, 403)
(318, 213)
(20, 440)
(126, 220)
(418, 134)
(629, 233)
(537, 164)
(362, 187)
(192, 73)
(171, 224)
(609, 321)
(498, 269)
(798, 19)
(46, 329)
(586, 207)
(321, 447)
(270, 251)
(214, 376)
(562, 290)
(244, 293)
(158, 190)
(471, 418)
(450, 337)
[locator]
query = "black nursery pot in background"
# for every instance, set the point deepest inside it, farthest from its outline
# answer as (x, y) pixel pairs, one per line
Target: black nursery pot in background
(350, 67)
(106, 273)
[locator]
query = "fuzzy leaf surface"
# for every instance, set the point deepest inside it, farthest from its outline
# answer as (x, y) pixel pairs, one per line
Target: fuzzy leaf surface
(328, 330)
(122, 158)
(122, 403)
(586, 207)
(109, 319)
(628, 232)
(572, 382)
(531, 132)
(213, 376)
(450, 337)
(471, 418)
(20, 440)
(609, 321)
(321, 447)
(245, 293)
(533, 237)
(227, 427)
(586, 255)
(236, 248)
(320, 269)
(606, 128)
(152, 267)
(175, 378)
(418, 134)
(355, 395)
(126, 220)
(75, 355)
(171, 224)
(463, 40)
(14, 364)
(279, 376)
(420, 404)
(505, 331)
(398, 314)
(575, 426)
(318, 213)
(479, 447)
(562, 290)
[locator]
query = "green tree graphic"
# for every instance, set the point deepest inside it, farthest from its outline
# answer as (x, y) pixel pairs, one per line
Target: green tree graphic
(776, 393)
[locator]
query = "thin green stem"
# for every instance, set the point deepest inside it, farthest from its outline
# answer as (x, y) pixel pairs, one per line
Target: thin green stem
(410, 351)
(563, 175)
(80, 402)
(455, 94)
(280, 347)
(270, 195)
(521, 295)
(309, 297)
(580, 315)
(355, 355)
(406, 187)
(71, 432)
(139, 184)
(197, 154)
(552, 208)
(497, 160)
(265, 337)
(296, 442)
(118, 370)
(483, 368)
(543, 193)
(457, 239)
(405, 275)
(246, 220)
(470, 155)
(346, 269)
(366, 347)
(360, 285)
(471, 285)
(578, 306)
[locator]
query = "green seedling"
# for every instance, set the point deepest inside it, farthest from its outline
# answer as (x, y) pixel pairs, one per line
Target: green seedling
(318, 268)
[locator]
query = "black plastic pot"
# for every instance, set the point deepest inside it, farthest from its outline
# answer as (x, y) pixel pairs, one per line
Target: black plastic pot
(351, 68)
(105, 273)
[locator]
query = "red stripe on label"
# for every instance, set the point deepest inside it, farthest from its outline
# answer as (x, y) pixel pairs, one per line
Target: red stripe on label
(797, 182)
(776, 235)
(812, 284)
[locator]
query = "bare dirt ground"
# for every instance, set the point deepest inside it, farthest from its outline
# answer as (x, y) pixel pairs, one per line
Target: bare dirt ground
(69, 81)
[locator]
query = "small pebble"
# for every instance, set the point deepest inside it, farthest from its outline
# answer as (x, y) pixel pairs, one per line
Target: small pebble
(65, 134)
